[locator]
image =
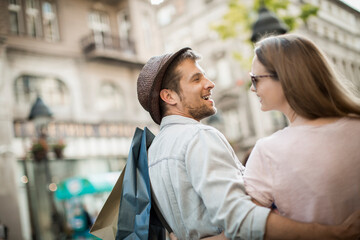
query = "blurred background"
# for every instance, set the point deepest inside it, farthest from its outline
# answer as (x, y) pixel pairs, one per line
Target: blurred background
(69, 108)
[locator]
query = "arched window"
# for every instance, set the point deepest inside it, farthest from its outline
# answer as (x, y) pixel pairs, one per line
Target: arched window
(53, 91)
(109, 97)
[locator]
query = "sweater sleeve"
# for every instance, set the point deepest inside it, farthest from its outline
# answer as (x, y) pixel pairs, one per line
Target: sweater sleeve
(214, 173)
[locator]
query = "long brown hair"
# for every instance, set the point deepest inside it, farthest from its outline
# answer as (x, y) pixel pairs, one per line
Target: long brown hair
(310, 85)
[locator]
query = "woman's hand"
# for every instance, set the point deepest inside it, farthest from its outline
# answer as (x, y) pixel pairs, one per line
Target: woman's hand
(350, 228)
(172, 236)
(217, 237)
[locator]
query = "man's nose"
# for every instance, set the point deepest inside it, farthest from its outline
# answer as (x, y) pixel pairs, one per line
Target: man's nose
(209, 84)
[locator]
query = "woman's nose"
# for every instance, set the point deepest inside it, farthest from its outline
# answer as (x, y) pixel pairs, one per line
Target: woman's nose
(252, 88)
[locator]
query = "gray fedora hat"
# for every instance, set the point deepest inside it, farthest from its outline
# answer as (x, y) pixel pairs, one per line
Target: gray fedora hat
(149, 82)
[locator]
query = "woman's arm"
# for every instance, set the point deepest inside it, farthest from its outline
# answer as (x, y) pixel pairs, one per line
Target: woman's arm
(278, 227)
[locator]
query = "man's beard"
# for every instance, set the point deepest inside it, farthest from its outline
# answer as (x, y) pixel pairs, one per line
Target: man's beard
(199, 113)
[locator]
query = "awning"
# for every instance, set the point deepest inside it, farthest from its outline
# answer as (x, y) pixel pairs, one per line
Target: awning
(78, 186)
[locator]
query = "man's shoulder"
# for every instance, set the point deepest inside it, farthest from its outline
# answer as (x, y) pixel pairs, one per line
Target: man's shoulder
(176, 133)
(192, 129)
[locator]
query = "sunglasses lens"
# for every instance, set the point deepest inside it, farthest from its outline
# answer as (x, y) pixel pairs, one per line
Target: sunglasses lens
(253, 80)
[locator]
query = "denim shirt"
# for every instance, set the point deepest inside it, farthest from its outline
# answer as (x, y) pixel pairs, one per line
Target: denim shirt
(198, 185)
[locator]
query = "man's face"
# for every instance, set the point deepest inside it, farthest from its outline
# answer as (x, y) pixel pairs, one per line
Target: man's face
(195, 91)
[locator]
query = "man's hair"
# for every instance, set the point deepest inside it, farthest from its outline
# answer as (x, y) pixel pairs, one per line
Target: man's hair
(172, 75)
(310, 85)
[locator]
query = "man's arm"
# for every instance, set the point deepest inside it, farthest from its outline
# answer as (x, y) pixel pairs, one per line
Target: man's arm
(278, 227)
(212, 169)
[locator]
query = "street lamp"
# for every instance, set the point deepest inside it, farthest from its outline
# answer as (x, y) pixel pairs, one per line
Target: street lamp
(267, 23)
(41, 115)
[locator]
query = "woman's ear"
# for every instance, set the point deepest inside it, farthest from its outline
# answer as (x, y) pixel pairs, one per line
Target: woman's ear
(168, 96)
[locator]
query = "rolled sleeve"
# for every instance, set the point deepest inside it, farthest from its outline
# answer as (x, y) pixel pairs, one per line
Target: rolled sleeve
(215, 176)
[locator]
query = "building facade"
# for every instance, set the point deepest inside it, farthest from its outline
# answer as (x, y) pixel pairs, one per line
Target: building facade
(188, 23)
(82, 58)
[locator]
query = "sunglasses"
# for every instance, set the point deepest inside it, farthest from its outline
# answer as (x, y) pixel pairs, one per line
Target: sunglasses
(255, 78)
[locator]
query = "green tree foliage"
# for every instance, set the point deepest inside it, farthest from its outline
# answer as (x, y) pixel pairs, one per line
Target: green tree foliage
(308, 10)
(240, 17)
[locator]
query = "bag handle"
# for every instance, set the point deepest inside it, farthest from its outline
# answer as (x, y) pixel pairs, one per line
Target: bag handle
(149, 138)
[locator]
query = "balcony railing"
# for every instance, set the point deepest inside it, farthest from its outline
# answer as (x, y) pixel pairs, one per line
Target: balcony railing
(101, 45)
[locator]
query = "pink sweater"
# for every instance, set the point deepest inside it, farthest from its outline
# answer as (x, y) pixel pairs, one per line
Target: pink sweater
(311, 173)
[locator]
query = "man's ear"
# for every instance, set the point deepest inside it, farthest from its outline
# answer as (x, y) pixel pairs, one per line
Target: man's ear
(168, 96)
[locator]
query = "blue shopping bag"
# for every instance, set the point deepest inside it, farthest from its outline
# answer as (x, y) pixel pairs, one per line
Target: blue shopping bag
(135, 203)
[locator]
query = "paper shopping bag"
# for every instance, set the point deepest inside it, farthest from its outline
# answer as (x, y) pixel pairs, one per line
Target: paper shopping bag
(105, 226)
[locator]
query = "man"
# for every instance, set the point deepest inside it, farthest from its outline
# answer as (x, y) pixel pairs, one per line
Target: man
(195, 175)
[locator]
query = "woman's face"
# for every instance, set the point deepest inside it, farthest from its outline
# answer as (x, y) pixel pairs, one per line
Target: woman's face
(268, 89)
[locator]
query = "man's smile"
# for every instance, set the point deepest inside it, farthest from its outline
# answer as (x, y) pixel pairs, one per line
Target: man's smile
(207, 97)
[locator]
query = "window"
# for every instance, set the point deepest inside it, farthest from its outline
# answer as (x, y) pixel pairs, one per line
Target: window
(29, 21)
(346, 40)
(336, 36)
(53, 91)
(99, 23)
(14, 14)
(224, 79)
(146, 27)
(33, 24)
(232, 128)
(124, 29)
(326, 32)
(51, 32)
(25, 17)
(315, 27)
(109, 97)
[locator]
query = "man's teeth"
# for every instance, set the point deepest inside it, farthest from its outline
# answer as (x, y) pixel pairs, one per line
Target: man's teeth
(206, 97)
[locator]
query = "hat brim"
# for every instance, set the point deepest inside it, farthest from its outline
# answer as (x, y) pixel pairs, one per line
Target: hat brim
(156, 87)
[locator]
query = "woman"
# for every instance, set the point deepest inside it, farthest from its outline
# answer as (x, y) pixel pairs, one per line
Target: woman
(311, 169)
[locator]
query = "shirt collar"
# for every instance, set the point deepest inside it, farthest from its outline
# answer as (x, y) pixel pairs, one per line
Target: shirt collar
(176, 119)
